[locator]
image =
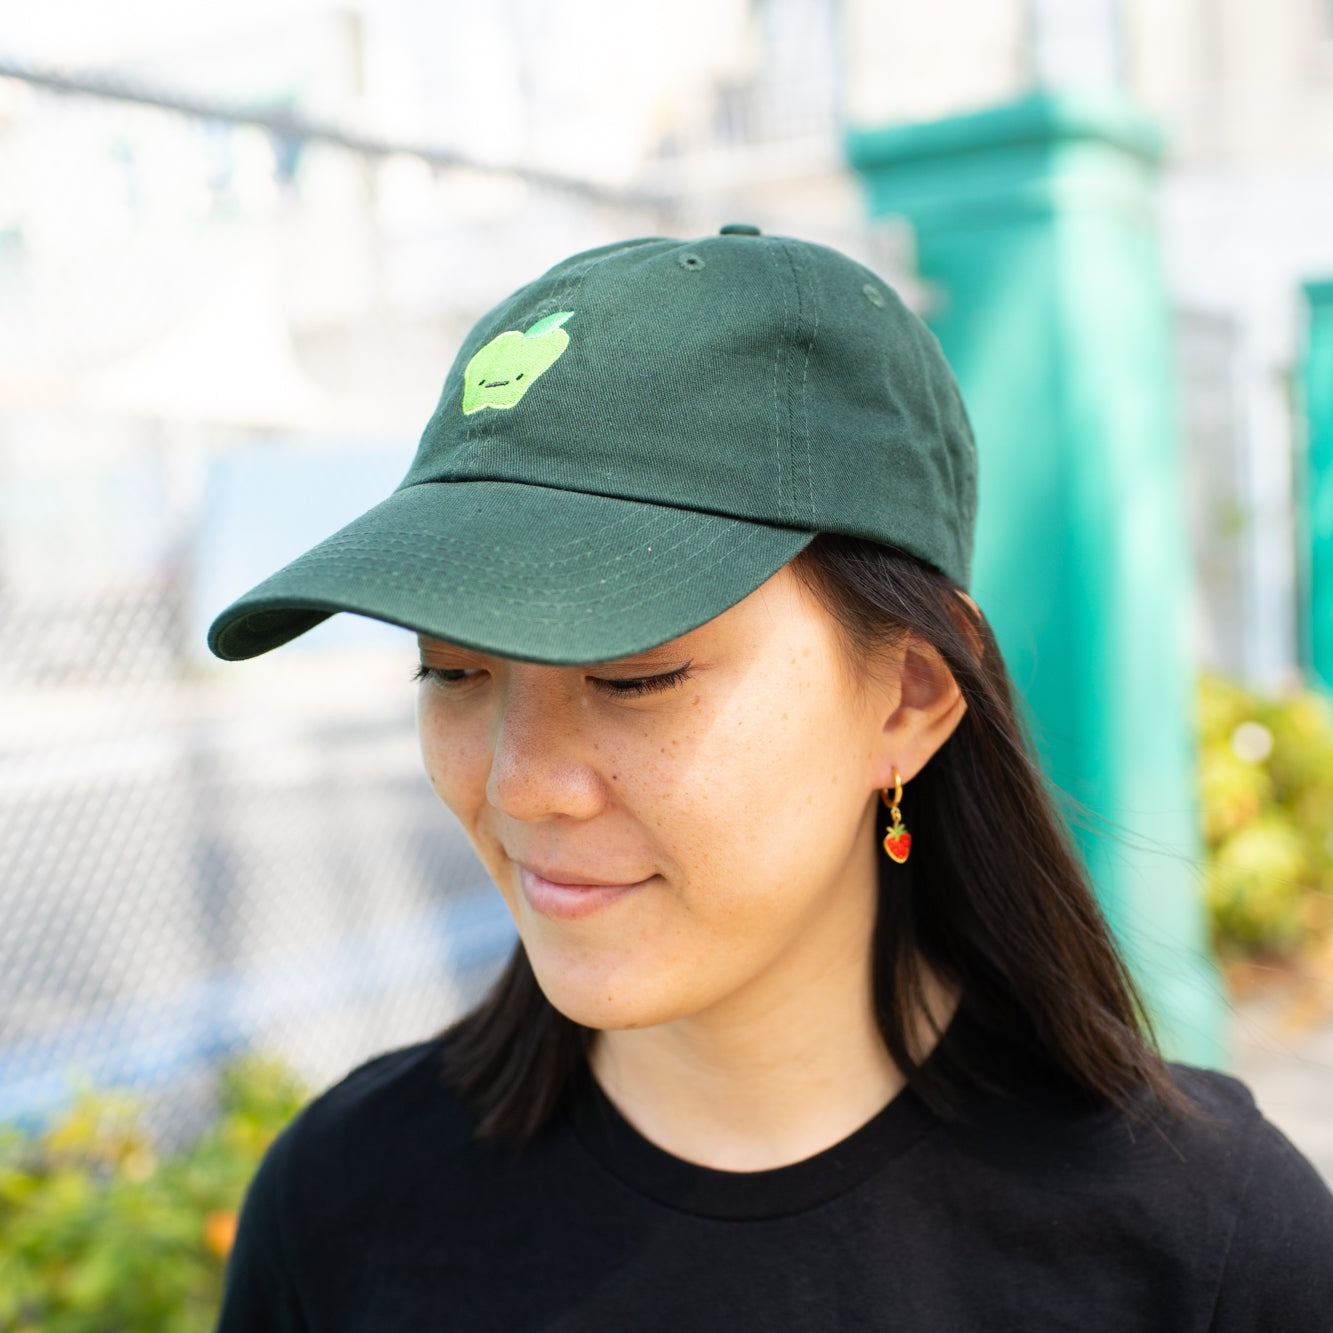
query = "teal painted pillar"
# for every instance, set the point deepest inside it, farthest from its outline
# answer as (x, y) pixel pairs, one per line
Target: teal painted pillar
(1035, 223)
(1316, 486)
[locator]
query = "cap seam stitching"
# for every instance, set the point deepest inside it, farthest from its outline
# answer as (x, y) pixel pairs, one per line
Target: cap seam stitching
(526, 599)
(777, 399)
(680, 513)
(386, 542)
(805, 377)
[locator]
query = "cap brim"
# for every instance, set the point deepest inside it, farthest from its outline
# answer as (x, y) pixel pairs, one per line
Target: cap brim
(531, 572)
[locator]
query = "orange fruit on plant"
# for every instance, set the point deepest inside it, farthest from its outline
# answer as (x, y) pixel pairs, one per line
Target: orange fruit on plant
(220, 1231)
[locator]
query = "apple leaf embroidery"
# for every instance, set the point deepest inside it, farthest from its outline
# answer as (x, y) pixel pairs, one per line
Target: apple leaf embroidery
(502, 371)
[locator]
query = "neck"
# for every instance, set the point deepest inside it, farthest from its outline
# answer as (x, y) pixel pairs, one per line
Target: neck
(774, 1079)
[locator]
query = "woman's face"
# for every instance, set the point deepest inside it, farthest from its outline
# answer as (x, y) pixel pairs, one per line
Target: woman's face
(736, 791)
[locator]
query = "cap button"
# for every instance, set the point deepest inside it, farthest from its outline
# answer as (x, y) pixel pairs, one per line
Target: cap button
(738, 229)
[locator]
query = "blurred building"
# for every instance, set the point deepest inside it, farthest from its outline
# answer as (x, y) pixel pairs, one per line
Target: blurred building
(1244, 93)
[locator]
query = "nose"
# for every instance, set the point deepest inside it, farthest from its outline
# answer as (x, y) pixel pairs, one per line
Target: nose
(540, 766)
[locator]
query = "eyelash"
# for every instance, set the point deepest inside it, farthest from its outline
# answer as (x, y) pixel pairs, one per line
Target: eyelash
(631, 688)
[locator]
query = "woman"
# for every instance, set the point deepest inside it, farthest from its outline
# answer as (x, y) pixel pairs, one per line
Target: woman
(685, 547)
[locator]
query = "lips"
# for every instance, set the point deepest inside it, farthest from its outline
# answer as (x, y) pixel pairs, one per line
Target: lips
(574, 879)
(568, 900)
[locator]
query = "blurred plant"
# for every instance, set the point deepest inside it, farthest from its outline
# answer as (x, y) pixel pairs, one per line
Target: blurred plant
(100, 1234)
(1266, 789)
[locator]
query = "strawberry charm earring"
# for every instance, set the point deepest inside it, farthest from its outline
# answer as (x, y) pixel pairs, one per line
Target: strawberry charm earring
(897, 841)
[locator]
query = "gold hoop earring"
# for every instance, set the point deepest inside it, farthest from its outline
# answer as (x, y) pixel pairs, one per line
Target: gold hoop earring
(897, 841)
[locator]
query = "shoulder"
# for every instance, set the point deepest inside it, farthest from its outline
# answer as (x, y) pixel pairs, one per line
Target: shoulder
(1236, 1140)
(1221, 1201)
(1215, 1220)
(328, 1159)
(380, 1101)
(1276, 1267)
(323, 1171)
(389, 1087)
(393, 1102)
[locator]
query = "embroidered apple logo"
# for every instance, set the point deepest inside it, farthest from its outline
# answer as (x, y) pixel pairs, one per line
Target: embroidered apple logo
(500, 373)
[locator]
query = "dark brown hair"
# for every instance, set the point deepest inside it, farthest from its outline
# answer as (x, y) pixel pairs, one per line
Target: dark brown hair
(995, 897)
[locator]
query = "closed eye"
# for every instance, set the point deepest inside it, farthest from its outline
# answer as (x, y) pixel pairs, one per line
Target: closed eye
(645, 684)
(633, 687)
(441, 675)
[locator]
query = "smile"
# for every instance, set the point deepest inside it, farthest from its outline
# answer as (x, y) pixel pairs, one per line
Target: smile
(570, 901)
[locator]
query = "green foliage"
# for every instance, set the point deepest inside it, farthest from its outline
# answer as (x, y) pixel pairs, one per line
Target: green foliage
(1266, 786)
(100, 1234)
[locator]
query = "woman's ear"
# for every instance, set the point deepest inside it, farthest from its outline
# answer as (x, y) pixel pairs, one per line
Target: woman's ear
(928, 708)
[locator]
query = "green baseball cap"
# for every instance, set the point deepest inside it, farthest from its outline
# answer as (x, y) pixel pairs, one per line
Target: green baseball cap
(635, 441)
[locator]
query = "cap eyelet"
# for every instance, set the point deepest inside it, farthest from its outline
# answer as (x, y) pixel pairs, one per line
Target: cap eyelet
(873, 295)
(690, 262)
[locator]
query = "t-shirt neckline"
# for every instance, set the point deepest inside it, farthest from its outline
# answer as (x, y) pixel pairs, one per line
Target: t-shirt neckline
(704, 1191)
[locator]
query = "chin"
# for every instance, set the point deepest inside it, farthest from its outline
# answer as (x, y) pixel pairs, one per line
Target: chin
(603, 998)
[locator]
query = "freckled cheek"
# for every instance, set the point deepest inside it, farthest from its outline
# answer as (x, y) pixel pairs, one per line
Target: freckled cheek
(789, 770)
(661, 780)
(457, 761)
(722, 789)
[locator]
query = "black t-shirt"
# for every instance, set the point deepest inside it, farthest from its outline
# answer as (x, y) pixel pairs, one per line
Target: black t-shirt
(375, 1211)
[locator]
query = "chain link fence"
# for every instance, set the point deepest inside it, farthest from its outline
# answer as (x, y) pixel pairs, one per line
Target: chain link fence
(197, 857)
